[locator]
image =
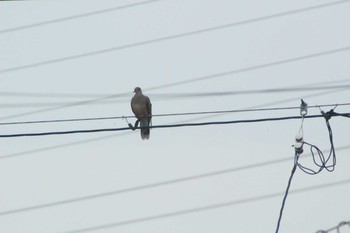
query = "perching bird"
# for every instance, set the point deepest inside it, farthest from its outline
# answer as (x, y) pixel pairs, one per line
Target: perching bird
(142, 108)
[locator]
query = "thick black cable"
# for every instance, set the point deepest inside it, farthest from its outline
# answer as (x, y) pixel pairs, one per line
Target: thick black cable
(155, 126)
(42, 149)
(59, 20)
(341, 114)
(180, 35)
(203, 208)
(285, 197)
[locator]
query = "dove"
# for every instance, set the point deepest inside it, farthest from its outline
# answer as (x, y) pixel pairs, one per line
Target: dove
(142, 108)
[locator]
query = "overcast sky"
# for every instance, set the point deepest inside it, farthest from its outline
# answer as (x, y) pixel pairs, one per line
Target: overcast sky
(218, 178)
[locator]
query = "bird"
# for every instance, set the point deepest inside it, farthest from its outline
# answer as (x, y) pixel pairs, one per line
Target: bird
(142, 108)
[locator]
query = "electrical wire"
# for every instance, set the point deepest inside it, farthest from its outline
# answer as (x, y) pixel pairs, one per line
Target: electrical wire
(151, 185)
(341, 224)
(180, 35)
(42, 95)
(204, 208)
(42, 149)
(237, 71)
(188, 95)
(169, 114)
(285, 197)
(322, 161)
(299, 150)
(156, 126)
(79, 16)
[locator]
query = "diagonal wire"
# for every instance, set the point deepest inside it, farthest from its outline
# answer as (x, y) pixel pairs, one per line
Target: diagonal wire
(207, 77)
(188, 95)
(59, 20)
(205, 208)
(181, 35)
(153, 185)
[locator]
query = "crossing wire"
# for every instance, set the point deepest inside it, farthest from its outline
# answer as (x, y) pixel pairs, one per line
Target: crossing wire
(151, 185)
(54, 147)
(207, 77)
(191, 95)
(42, 95)
(180, 35)
(204, 208)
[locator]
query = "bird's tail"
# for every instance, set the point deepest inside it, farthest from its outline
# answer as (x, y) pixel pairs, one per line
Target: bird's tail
(145, 131)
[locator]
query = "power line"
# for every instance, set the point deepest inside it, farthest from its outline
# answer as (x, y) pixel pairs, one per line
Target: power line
(42, 149)
(42, 95)
(59, 20)
(341, 224)
(180, 35)
(172, 114)
(189, 95)
(205, 208)
(151, 185)
(207, 77)
(72, 104)
(157, 126)
(256, 67)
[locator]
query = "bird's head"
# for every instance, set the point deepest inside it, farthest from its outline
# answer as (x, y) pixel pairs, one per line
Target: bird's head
(137, 90)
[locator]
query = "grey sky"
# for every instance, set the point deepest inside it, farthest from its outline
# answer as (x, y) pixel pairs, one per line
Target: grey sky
(223, 46)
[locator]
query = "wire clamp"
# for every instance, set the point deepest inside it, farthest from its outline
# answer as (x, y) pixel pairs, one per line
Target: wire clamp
(129, 124)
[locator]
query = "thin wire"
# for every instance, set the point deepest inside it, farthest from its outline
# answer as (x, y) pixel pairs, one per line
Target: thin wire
(59, 20)
(151, 185)
(181, 35)
(156, 126)
(247, 69)
(203, 208)
(22, 153)
(323, 160)
(168, 114)
(42, 95)
(73, 104)
(341, 224)
(186, 95)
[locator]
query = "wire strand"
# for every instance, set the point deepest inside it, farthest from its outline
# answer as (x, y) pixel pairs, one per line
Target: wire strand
(59, 20)
(156, 126)
(151, 185)
(180, 35)
(204, 208)
(185, 95)
(170, 114)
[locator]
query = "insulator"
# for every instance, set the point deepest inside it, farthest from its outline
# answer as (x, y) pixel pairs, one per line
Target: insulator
(303, 108)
